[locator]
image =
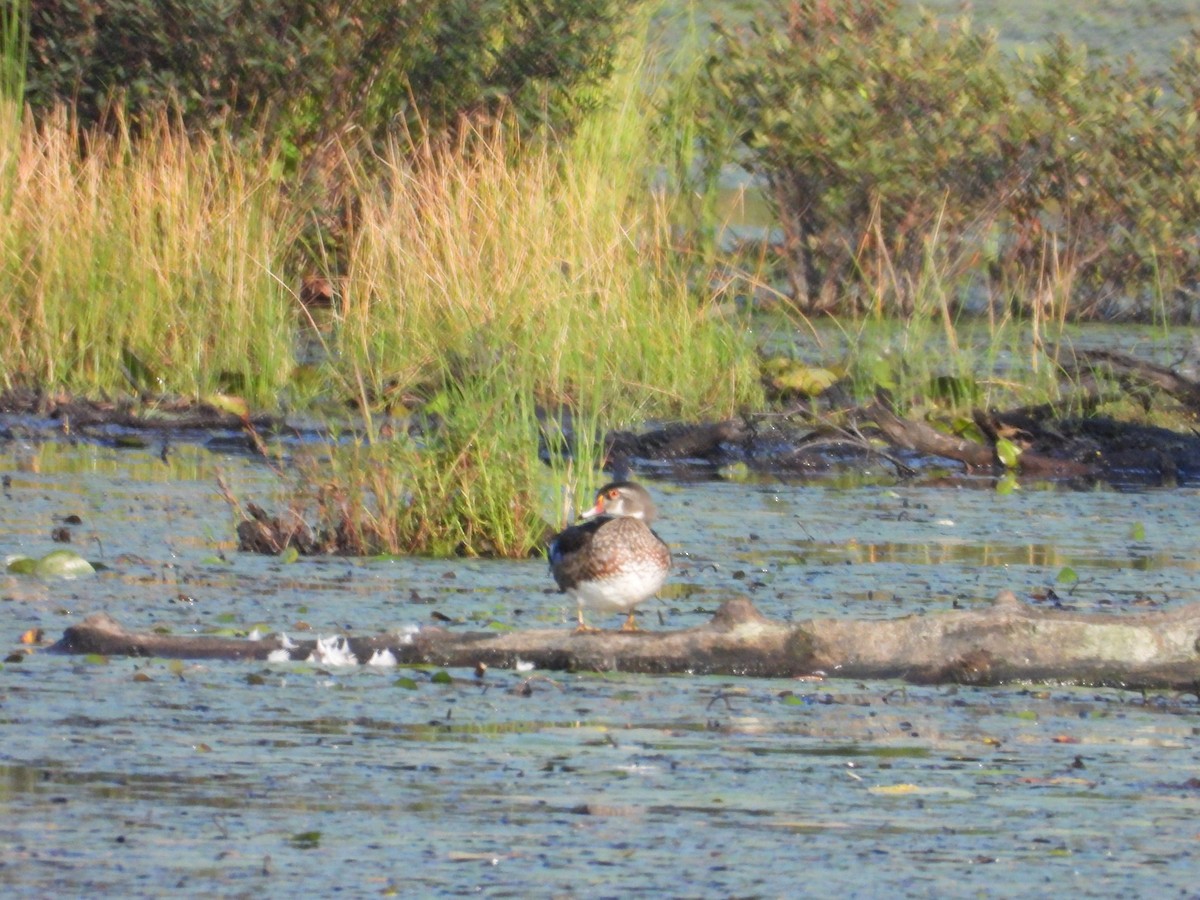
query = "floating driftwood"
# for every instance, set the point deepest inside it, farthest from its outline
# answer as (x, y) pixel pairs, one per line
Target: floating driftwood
(1005, 642)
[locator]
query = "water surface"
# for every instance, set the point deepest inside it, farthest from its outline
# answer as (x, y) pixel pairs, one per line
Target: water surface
(145, 777)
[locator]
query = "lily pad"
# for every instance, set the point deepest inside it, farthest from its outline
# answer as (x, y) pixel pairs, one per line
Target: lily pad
(1007, 452)
(62, 564)
(21, 565)
(791, 377)
(236, 406)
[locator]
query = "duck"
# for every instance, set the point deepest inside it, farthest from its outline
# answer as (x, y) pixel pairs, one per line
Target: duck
(612, 561)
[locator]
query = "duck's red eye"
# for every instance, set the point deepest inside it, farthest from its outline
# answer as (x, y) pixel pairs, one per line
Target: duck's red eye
(613, 494)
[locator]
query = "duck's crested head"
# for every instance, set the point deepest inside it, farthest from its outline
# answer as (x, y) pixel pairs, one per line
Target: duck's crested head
(623, 499)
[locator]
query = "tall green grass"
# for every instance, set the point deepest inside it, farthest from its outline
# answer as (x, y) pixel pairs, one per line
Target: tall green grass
(548, 268)
(14, 49)
(505, 293)
(513, 302)
(916, 341)
(153, 266)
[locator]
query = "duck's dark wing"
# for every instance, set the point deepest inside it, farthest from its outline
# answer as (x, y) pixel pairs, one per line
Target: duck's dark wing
(574, 539)
(570, 546)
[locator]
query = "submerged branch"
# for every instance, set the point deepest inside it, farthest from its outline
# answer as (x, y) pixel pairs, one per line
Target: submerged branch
(1008, 641)
(911, 434)
(1131, 371)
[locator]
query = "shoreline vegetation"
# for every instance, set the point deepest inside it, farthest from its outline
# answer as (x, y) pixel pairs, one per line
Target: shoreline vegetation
(480, 295)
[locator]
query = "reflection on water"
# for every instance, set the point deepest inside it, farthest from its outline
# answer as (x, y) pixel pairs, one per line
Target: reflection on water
(1038, 555)
(148, 464)
(143, 777)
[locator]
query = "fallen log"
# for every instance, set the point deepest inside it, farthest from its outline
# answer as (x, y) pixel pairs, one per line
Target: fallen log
(1005, 642)
(1130, 370)
(910, 434)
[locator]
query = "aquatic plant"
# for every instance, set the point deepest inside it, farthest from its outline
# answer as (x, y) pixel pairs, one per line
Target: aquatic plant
(509, 303)
(148, 267)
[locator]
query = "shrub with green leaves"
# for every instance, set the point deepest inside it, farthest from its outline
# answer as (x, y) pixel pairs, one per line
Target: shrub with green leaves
(1109, 179)
(863, 129)
(315, 70)
(885, 146)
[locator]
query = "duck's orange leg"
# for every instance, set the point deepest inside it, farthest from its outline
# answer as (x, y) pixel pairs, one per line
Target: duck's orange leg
(584, 627)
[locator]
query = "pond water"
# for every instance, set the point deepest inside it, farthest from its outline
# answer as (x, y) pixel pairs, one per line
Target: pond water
(144, 777)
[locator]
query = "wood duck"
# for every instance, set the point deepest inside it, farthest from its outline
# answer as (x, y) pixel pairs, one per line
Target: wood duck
(612, 561)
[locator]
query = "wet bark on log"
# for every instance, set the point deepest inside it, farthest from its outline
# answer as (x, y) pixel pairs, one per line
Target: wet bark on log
(677, 441)
(1130, 371)
(924, 438)
(1008, 641)
(156, 415)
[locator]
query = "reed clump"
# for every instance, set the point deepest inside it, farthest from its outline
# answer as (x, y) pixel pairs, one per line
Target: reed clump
(496, 295)
(148, 266)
